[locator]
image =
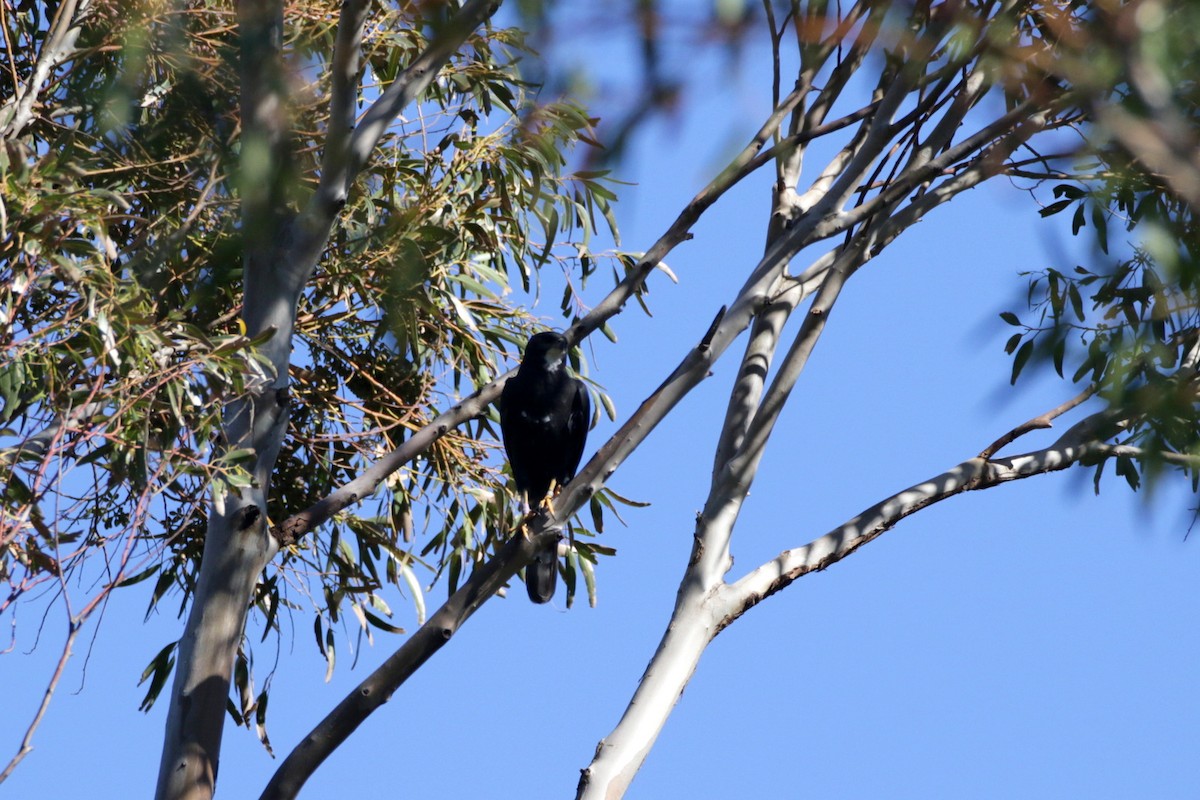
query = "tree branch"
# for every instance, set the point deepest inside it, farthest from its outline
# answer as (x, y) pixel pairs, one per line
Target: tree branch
(1077, 444)
(380, 685)
(348, 151)
(706, 605)
(27, 741)
(700, 610)
(413, 81)
(744, 463)
(1038, 422)
(345, 74)
(363, 486)
(57, 47)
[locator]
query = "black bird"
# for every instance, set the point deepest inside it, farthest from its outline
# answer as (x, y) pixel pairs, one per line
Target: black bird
(544, 415)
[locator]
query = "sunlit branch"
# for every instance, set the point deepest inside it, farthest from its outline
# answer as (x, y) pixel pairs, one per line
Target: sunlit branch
(752, 373)
(345, 74)
(743, 463)
(1076, 445)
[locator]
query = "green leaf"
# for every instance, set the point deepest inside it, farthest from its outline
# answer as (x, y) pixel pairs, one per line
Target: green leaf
(260, 720)
(1055, 207)
(589, 579)
(1076, 301)
(158, 670)
(570, 570)
(141, 576)
(381, 624)
(1100, 223)
(414, 586)
(597, 513)
(625, 500)
(330, 655)
(1021, 359)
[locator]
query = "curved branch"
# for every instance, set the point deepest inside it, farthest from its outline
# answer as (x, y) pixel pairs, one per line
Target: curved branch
(1038, 422)
(1076, 445)
(706, 604)
(381, 684)
(347, 151)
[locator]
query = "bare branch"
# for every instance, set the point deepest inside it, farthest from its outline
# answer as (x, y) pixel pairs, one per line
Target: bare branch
(27, 740)
(345, 74)
(380, 685)
(1038, 422)
(752, 374)
(743, 464)
(619, 757)
(1005, 134)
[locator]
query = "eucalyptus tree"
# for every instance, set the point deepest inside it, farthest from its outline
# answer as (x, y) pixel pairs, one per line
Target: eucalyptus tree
(245, 256)
(256, 314)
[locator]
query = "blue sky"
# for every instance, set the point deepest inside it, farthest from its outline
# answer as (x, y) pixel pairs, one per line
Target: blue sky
(1032, 640)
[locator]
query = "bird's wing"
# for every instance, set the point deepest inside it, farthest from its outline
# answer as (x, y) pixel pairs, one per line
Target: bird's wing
(509, 423)
(577, 425)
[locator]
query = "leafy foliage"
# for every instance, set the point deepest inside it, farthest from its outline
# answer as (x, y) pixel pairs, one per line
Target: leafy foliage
(120, 272)
(1132, 326)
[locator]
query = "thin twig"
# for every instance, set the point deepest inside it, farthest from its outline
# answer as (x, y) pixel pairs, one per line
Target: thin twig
(27, 741)
(1039, 422)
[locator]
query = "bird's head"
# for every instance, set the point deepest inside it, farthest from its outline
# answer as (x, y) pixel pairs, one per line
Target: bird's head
(547, 350)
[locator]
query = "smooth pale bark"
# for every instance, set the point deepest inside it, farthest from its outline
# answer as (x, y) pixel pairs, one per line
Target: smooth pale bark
(919, 114)
(706, 604)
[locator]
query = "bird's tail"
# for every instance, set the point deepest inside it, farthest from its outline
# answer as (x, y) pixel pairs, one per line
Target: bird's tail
(541, 575)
